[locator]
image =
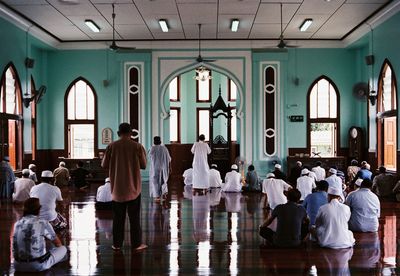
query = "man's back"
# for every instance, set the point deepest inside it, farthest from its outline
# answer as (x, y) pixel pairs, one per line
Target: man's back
(313, 202)
(48, 195)
(22, 188)
(232, 182)
(160, 157)
(384, 184)
(305, 184)
(319, 173)
(61, 176)
(124, 158)
(274, 189)
(215, 178)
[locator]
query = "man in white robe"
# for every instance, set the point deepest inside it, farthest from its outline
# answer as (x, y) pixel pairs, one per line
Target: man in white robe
(233, 180)
(215, 177)
(274, 190)
(188, 177)
(319, 171)
(335, 181)
(305, 184)
(201, 171)
(159, 169)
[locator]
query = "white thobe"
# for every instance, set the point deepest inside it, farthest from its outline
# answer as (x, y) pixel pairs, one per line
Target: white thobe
(319, 173)
(335, 182)
(232, 182)
(274, 189)
(159, 170)
(201, 171)
(232, 202)
(188, 177)
(332, 225)
(305, 184)
(104, 193)
(22, 188)
(215, 179)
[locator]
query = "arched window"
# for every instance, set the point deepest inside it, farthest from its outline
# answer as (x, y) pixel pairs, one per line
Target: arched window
(323, 122)
(11, 117)
(81, 120)
(387, 117)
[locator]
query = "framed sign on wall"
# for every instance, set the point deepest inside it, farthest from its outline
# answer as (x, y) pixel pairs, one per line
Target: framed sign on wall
(106, 136)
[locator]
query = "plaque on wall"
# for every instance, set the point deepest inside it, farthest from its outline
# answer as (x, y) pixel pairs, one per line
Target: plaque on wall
(106, 136)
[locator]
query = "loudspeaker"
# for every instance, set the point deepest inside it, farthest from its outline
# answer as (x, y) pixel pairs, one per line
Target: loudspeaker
(106, 83)
(29, 62)
(369, 60)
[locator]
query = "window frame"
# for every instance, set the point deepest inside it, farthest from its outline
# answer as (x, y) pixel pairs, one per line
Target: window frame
(230, 98)
(209, 90)
(68, 122)
(178, 92)
(178, 109)
(198, 109)
(323, 120)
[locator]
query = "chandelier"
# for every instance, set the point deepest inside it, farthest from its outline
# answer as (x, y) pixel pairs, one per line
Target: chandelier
(202, 74)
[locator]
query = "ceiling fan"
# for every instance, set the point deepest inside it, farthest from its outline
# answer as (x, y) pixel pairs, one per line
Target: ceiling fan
(282, 44)
(114, 45)
(199, 57)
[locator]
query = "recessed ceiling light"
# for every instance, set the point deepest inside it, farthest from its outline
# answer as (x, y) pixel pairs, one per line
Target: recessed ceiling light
(164, 25)
(234, 25)
(90, 23)
(306, 23)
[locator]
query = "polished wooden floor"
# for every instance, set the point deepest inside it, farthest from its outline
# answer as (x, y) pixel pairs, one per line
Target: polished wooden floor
(202, 235)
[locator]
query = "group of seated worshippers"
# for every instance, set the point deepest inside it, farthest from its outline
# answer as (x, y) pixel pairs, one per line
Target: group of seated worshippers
(321, 207)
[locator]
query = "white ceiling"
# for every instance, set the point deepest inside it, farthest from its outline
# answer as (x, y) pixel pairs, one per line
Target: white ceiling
(138, 19)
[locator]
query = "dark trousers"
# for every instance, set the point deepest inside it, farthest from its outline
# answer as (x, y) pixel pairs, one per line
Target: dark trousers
(119, 214)
(268, 234)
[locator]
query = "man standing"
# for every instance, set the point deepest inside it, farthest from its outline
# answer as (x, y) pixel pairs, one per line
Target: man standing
(159, 169)
(123, 159)
(22, 187)
(29, 241)
(201, 174)
(7, 178)
(365, 209)
(61, 175)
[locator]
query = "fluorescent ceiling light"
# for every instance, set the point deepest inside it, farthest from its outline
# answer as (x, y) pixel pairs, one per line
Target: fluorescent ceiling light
(163, 25)
(92, 25)
(304, 26)
(234, 25)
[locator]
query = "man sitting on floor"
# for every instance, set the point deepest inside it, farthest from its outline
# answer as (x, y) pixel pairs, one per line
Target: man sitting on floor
(314, 201)
(188, 177)
(49, 195)
(331, 223)
(252, 180)
(104, 196)
(279, 174)
(79, 175)
(292, 223)
(383, 184)
(29, 241)
(319, 171)
(215, 177)
(274, 191)
(61, 175)
(22, 187)
(365, 209)
(232, 181)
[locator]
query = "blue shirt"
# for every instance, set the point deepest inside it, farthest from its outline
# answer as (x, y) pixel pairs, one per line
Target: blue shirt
(312, 202)
(364, 174)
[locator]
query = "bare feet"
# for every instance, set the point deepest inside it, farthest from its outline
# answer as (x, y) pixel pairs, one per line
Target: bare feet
(140, 247)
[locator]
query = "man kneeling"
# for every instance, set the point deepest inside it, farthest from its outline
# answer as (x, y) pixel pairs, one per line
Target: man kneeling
(29, 241)
(292, 223)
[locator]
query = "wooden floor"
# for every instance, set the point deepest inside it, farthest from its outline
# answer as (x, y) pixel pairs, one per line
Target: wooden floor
(202, 235)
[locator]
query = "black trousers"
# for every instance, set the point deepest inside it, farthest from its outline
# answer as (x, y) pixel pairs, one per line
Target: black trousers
(268, 234)
(119, 215)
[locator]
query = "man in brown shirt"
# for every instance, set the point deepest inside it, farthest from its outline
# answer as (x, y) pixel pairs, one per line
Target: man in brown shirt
(123, 159)
(61, 175)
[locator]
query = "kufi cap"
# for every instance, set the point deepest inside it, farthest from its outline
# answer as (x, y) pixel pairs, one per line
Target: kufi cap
(278, 166)
(47, 174)
(62, 164)
(270, 175)
(334, 191)
(6, 158)
(31, 166)
(305, 171)
(332, 170)
(107, 180)
(214, 166)
(31, 204)
(234, 167)
(367, 166)
(298, 163)
(25, 172)
(358, 182)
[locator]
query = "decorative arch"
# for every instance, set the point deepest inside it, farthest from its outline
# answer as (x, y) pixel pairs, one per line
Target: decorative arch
(11, 122)
(326, 119)
(387, 117)
(81, 125)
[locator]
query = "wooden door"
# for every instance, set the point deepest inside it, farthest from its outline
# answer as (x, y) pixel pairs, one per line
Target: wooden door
(389, 145)
(3, 138)
(12, 143)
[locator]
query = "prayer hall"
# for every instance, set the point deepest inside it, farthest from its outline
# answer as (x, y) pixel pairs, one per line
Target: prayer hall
(199, 137)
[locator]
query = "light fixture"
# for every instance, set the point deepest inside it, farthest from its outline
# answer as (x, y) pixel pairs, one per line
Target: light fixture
(234, 25)
(202, 74)
(90, 23)
(163, 25)
(306, 23)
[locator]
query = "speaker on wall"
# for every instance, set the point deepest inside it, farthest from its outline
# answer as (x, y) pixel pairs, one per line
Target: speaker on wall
(369, 60)
(29, 62)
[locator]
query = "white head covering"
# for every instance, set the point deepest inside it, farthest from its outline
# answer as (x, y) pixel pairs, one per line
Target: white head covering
(305, 171)
(107, 180)
(234, 167)
(334, 191)
(214, 166)
(62, 164)
(358, 182)
(367, 166)
(25, 172)
(47, 174)
(298, 163)
(31, 166)
(278, 166)
(270, 175)
(333, 171)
